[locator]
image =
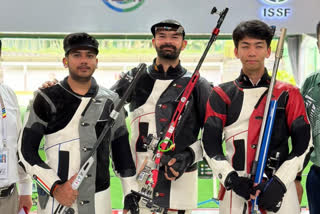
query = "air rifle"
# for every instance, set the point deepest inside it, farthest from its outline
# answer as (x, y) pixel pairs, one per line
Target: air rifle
(109, 124)
(259, 163)
(149, 175)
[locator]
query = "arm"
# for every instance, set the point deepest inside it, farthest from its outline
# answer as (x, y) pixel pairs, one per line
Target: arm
(215, 120)
(216, 114)
(123, 83)
(300, 132)
(202, 93)
(123, 164)
(25, 182)
(34, 128)
(25, 189)
(179, 162)
(273, 190)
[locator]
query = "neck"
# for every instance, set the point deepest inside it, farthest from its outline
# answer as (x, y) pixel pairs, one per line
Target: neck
(255, 75)
(79, 87)
(166, 63)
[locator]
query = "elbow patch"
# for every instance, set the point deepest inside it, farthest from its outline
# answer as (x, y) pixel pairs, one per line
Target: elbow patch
(29, 149)
(300, 135)
(212, 137)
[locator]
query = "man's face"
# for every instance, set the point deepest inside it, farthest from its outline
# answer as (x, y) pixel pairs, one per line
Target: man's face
(81, 64)
(168, 44)
(252, 53)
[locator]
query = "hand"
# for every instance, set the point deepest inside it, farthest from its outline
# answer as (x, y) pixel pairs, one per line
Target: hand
(64, 193)
(48, 84)
(131, 203)
(177, 165)
(272, 192)
(299, 190)
(25, 201)
(243, 186)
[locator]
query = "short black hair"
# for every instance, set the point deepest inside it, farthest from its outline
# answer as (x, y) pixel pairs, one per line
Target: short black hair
(318, 30)
(80, 40)
(253, 29)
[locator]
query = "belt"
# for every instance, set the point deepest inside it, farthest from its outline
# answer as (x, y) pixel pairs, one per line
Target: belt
(6, 191)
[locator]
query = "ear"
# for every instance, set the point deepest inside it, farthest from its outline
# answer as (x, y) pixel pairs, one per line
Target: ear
(65, 62)
(153, 43)
(97, 63)
(269, 52)
(184, 44)
(235, 50)
(318, 44)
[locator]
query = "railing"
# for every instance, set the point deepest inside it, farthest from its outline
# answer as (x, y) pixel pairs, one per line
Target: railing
(26, 77)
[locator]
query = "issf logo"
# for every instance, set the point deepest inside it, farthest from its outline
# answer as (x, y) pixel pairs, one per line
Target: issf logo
(123, 5)
(275, 9)
(275, 2)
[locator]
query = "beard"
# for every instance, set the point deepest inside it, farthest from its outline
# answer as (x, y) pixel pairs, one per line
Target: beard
(168, 54)
(80, 78)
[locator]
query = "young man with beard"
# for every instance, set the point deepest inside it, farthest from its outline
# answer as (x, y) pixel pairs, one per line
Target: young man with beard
(236, 109)
(311, 91)
(71, 116)
(151, 107)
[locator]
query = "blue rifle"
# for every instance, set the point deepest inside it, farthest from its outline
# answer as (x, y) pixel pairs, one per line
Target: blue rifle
(259, 163)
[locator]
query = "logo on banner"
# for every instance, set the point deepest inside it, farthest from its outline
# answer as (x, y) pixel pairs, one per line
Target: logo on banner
(275, 9)
(275, 1)
(123, 5)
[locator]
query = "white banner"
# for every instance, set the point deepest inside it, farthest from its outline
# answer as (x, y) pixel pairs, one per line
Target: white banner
(137, 16)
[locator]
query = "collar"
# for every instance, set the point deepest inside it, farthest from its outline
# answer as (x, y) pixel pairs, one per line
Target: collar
(91, 92)
(157, 72)
(318, 78)
(244, 81)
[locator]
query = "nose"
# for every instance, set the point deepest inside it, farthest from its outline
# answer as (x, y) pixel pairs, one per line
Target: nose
(167, 40)
(252, 51)
(84, 59)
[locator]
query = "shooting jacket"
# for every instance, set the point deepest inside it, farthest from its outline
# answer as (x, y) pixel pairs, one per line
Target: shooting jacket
(71, 125)
(151, 107)
(236, 109)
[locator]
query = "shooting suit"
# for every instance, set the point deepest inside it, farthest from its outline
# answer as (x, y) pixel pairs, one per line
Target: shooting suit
(71, 125)
(152, 105)
(236, 109)
(311, 94)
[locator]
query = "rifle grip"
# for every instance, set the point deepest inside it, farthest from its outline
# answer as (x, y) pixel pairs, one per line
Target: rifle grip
(222, 191)
(82, 173)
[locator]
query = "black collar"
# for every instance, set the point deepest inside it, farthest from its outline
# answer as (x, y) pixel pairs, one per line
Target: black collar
(244, 82)
(157, 72)
(93, 90)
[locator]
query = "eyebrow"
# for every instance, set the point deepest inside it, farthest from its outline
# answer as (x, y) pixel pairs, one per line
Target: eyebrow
(248, 43)
(176, 34)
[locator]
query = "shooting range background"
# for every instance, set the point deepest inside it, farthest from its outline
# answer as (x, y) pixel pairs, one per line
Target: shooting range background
(32, 33)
